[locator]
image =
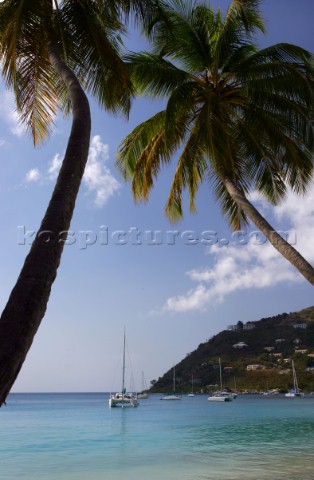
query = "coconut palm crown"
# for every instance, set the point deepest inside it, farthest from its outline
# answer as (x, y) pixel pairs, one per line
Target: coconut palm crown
(236, 116)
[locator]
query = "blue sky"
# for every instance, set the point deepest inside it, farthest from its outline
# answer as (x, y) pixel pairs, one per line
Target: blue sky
(171, 295)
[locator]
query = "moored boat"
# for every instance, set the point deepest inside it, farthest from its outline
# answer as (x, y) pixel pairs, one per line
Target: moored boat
(294, 392)
(123, 399)
(222, 395)
(172, 396)
(144, 393)
(191, 394)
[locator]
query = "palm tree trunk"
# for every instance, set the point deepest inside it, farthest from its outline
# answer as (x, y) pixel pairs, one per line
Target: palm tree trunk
(29, 298)
(283, 247)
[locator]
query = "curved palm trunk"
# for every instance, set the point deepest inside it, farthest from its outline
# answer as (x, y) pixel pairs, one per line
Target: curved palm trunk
(28, 300)
(283, 247)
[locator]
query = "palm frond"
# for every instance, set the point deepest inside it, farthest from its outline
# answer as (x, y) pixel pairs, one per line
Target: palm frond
(246, 14)
(153, 75)
(148, 166)
(182, 108)
(186, 37)
(287, 157)
(64, 101)
(146, 14)
(242, 20)
(91, 33)
(190, 172)
(238, 56)
(36, 100)
(233, 112)
(26, 67)
(284, 53)
(134, 150)
(236, 217)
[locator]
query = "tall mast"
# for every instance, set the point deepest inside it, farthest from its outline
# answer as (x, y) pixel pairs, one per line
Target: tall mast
(220, 375)
(123, 365)
(174, 378)
(143, 382)
(295, 381)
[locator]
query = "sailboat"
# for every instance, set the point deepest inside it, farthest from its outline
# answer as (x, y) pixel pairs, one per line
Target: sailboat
(294, 392)
(270, 392)
(191, 394)
(143, 394)
(172, 396)
(221, 396)
(123, 399)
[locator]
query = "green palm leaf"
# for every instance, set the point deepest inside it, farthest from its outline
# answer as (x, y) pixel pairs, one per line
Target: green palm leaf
(141, 154)
(26, 68)
(190, 172)
(93, 50)
(236, 116)
(153, 75)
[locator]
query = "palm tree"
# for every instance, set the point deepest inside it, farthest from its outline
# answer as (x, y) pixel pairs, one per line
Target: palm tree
(51, 51)
(236, 116)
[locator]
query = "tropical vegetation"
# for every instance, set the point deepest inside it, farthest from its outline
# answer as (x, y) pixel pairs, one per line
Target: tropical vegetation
(269, 343)
(53, 52)
(237, 117)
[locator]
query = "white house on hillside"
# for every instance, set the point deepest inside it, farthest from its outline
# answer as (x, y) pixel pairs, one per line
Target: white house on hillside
(255, 367)
(248, 326)
(269, 349)
(239, 345)
(232, 328)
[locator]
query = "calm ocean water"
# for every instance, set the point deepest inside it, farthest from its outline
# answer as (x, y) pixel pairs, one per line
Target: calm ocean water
(76, 436)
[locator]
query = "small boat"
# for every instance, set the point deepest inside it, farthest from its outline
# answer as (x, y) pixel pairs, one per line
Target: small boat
(218, 397)
(294, 392)
(172, 396)
(232, 395)
(235, 392)
(191, 394)
(123, 399)
(271, 392)
(222, 395)
(143, 394)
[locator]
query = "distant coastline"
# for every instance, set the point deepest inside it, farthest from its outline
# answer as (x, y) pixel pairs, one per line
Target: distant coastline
(255, 356)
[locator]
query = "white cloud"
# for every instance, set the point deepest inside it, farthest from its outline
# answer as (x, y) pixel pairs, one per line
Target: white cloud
(301, 211)
(2, 142)
(97, 177)
(32, 175)
(251, 266)
(55, 166)
(9, 114)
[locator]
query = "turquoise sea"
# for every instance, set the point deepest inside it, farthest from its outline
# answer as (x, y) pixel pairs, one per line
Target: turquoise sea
(77, 437)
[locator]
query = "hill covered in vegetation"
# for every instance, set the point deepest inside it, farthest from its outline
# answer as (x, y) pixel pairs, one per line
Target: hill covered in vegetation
(255, 356)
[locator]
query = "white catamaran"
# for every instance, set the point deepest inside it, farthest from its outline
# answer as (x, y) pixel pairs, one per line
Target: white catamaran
(222, 396)
(123, 399)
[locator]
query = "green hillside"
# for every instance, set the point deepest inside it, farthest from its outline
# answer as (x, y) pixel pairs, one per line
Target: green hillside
(267, 345)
